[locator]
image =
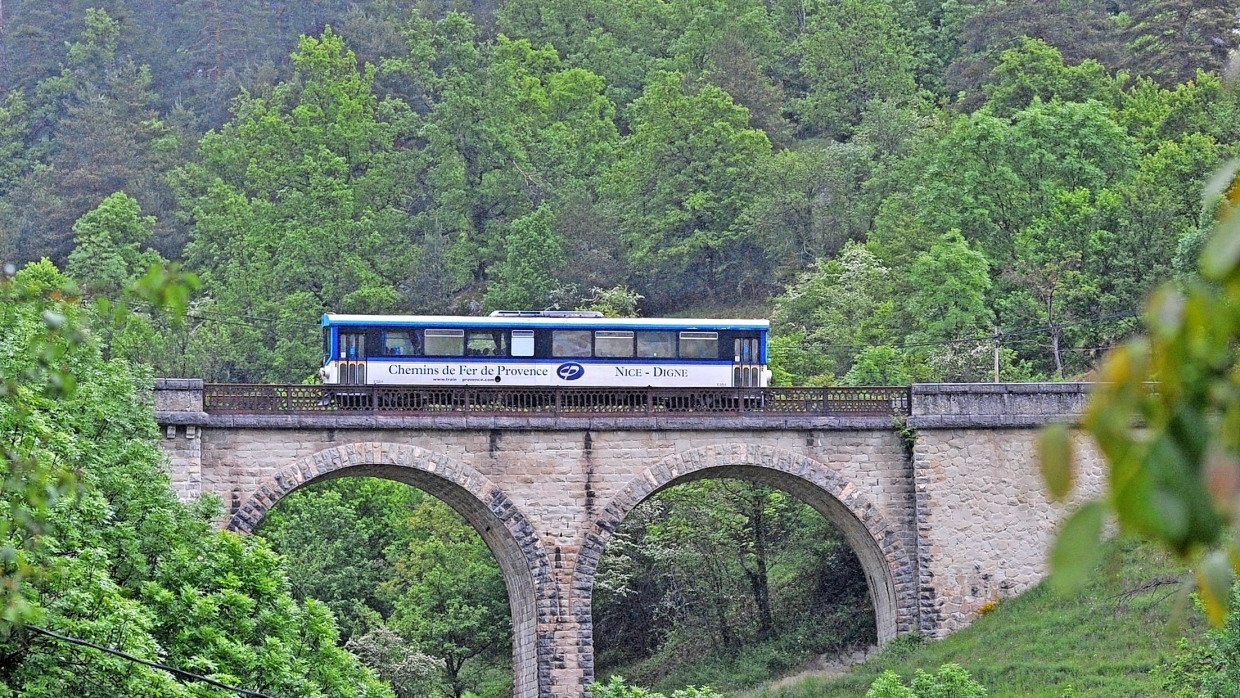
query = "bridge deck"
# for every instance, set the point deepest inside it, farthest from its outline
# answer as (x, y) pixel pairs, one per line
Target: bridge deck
(261, 399)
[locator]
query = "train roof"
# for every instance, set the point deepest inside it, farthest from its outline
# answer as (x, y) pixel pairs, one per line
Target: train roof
(331, 319)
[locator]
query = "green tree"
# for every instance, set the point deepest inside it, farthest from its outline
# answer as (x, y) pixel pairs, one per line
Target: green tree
(449, 592)
(224, 606)
(1036, 70)
(337, 541)
(106, 253)
(509, 128)
(830, 313)
(1080, 30)
(991, 177)
(730, 568)
(878, 365)
(1170, 40)
(534, 258)
(624, 43)
(126, 564)
(950, 285)
(40, 329)
(1210, 666)
(103, 134)
(684, 177)
(951, 681)
(412, 673)
(15, 127)
(852, 52)
(297, 210)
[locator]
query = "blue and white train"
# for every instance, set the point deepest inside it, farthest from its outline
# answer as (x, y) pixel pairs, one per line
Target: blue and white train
(545, 349)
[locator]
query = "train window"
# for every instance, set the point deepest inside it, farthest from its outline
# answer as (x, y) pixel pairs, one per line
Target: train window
(327, 344)
(573, 343)
(656, 345)
(613, 344)
(352, 345)
(699, 345)
(398, 343)
(523, 342)
(445, 342)
(487, 343)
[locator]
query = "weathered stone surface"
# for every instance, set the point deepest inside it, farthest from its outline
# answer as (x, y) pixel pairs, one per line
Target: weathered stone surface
(943, 519)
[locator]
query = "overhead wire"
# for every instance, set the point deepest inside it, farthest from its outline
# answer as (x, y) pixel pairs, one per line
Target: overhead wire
(154, 665)
(1001, 336)
(1004, 337)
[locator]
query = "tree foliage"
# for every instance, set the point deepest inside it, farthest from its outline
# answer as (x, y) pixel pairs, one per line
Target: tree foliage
(122, 562)
(1173, 445)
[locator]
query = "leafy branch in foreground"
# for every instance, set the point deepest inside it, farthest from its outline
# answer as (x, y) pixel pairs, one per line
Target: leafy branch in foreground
(1167, 419)
(40, 305)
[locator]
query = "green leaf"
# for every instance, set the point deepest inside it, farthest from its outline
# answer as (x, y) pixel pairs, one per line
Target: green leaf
(1221, 256)
(1214, 580)
(1077, 549)
(1055, 456)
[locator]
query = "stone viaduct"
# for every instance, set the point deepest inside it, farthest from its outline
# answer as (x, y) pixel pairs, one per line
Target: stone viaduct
(945, 509)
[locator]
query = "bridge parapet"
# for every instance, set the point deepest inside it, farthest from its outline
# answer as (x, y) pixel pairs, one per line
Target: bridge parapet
(182, 401)
(179, 401)
(996, 405)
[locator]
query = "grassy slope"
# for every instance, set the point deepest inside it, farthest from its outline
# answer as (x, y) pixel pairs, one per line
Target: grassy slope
(1103, 642)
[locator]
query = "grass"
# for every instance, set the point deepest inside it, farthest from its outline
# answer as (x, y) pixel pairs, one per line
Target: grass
(693, 664)
(1101, 642)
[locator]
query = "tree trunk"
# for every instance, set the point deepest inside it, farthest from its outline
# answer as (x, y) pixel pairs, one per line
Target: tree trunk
(719, 605)
(453, 668)
(758, 579)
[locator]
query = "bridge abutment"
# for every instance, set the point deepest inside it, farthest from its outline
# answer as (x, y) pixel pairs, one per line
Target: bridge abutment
(945, 510)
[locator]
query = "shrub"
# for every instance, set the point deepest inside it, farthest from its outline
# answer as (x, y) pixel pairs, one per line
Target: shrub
(616, 688)
(951, 681)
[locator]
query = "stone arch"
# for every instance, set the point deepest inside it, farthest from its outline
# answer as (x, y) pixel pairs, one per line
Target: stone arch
(888, 566)
(532, 595)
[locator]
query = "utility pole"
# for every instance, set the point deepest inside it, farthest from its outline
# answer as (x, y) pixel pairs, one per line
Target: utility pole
(997, 338)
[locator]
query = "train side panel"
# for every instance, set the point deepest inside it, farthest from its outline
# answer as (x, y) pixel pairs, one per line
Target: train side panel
(564, 374)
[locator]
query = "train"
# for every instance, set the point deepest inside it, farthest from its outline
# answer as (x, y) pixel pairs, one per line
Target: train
(548, 348)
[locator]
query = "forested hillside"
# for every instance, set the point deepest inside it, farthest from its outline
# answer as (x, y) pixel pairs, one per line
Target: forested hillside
(1022, 169)
(904, 187)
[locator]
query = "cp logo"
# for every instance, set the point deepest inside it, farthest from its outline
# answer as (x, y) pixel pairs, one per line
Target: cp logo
(570, 372)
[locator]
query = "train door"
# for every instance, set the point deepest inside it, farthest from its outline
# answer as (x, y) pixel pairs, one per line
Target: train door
(352, 358)
(746, 363)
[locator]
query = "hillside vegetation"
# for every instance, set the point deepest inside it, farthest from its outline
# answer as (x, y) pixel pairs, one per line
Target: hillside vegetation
(1109, 640)
(1012, 173)
(904, 187)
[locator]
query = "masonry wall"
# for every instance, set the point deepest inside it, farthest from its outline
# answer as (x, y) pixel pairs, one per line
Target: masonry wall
(985, 522)
(947, 510)
(560, 479)
(984, 519)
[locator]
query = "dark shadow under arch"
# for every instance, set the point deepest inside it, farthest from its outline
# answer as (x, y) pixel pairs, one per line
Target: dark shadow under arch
(532, 594)
(889, 568)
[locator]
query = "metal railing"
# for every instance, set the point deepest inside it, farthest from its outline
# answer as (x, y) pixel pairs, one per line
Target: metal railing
(233, 398)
